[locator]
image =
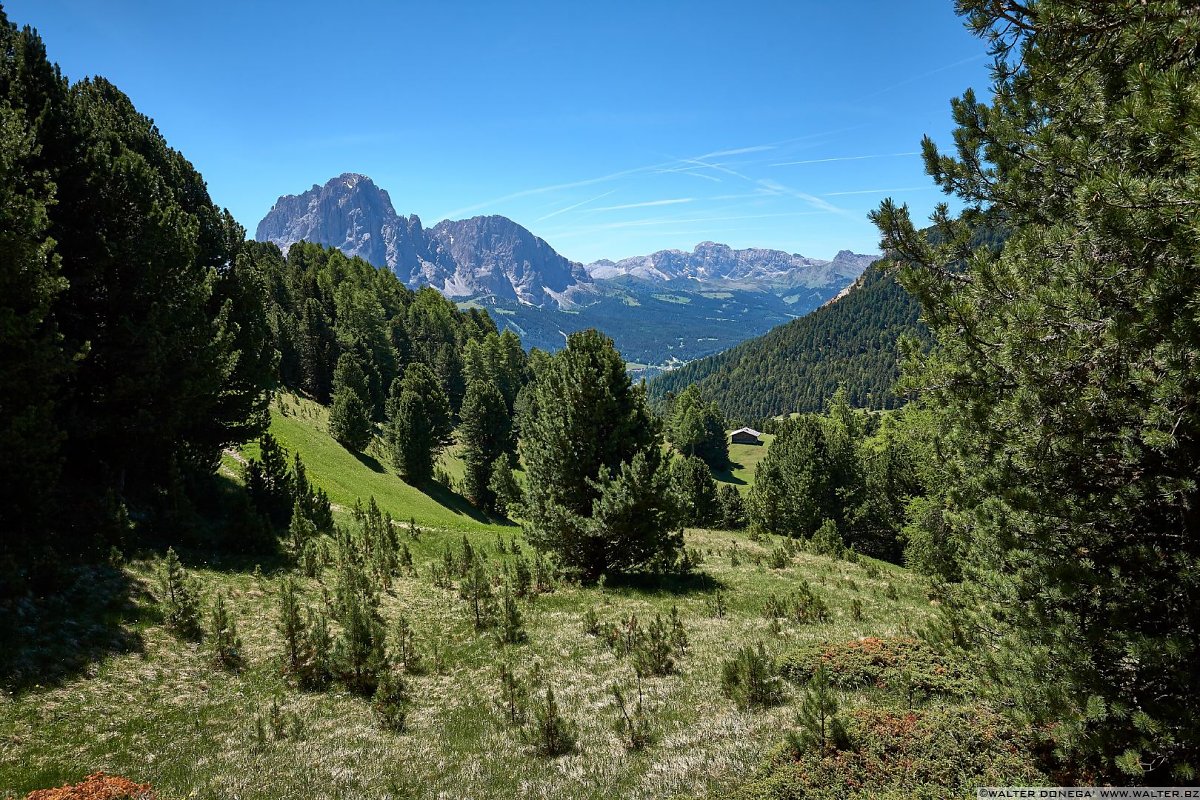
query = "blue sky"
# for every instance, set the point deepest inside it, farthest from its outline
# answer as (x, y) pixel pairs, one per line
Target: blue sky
(609, 129)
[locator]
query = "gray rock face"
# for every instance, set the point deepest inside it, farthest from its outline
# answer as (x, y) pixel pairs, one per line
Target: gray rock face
(464, 258)
(496, 256)
(721, 265)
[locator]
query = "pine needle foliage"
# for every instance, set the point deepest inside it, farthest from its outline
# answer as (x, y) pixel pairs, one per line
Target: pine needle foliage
(1065, 373)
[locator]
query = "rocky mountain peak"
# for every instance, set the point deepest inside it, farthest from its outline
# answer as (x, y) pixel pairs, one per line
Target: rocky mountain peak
(463, 258)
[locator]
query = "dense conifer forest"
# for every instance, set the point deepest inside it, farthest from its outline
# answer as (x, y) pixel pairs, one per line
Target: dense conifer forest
(853, 343)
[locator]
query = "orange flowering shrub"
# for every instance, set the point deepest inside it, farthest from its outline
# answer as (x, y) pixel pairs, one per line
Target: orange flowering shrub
(97, 786)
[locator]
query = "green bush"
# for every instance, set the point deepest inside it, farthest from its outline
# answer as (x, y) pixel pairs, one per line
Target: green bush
(897, 664)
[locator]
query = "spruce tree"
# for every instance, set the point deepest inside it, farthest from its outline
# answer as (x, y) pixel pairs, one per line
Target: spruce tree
(1065, 373)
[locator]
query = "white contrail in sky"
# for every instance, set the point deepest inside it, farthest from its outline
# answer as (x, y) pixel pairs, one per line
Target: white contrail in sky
(647, 204)
(845, 158)
(879, 191)
(575, 206)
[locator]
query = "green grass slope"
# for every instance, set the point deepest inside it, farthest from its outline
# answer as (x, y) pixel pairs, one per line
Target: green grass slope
(302, 426)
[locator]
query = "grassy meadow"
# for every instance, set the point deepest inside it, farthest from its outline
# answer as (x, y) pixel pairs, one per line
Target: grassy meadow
(156, 710)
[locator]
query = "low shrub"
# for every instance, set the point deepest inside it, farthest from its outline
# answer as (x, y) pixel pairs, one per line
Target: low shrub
(929, 754)
(899, 664)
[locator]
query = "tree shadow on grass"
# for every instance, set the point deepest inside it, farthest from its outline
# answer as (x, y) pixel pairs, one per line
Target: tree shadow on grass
(660, 584)
(369, 461)
(453, 501)
(725, 474)
(75, 617)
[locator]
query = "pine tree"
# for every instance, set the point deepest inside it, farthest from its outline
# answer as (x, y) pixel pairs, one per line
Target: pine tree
(512, 622)
(514, 695)
(827, 541)
(504, 487)
(411, 438)
(180, 597)
(405, 654)
(633, 725)
(350, 416)
(476, 589)
(269, 483)
(224, 642)
(817, 716)
(792, 489)
(733, 507)
(317, 666)
(484, 434)
(1065, 373)
(698, 430)
(290, 627)
(390, 701)
(32, 360)
(695, 492)
(584, 424)
(553, 734)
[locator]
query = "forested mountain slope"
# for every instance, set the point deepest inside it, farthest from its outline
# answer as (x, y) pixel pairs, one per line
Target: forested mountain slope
(851, 341)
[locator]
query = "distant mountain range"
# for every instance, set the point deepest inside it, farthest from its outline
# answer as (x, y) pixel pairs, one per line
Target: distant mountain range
(661, 309)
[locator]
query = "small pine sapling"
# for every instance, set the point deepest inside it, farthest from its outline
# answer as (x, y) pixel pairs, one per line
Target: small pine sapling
(512, 623)
(390, 701)
(290, 628)
(514, 695)
(225, 644)
(405, 655)
(553, 734)
(820, 727)
(679, 637)
(633, 724)
(653, 652)
(180, 598)
(750, 679)
(827, 541)
(591, 623)
(522, 577)
(316, 670)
